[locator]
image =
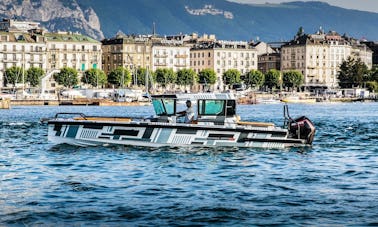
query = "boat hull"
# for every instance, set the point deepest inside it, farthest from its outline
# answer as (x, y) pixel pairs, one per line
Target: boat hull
(155, 134)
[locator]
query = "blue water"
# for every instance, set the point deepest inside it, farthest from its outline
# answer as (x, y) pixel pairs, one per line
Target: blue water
(335, 182)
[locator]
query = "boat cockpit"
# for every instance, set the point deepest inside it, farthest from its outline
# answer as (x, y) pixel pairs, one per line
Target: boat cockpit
(210, 109)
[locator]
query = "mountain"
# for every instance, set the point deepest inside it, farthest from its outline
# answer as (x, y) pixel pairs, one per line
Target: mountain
(227, 20)
(64, 15)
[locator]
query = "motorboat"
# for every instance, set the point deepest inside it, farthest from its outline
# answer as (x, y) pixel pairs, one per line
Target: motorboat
(216, 124)
(298, 99)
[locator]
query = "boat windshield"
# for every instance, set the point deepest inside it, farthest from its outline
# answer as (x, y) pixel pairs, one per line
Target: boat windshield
(164, 106)
(211, 107)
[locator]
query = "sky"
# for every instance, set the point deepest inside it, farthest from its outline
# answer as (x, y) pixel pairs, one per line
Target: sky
(364, 5)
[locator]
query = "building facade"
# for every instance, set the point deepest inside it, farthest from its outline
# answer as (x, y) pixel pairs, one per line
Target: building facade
(131, 52)
(222, 56)
(24, 44)
(172, 54)
(270, 61)
(23, 50)
(65, 49)
(318, 57)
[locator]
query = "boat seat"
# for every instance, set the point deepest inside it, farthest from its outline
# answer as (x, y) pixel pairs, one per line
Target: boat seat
(118, 119)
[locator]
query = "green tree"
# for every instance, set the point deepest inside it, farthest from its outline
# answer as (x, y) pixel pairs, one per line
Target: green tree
(67, 77)
(292, 79)
(94, 77)
(140, 77)
(352, 73)
(165, 76)
(272, 79)
(119, 77)
(34, 75)
(372, 86)
(207, 76)
(254, 78)
(13, 75)
(186, 77)
(231, 76)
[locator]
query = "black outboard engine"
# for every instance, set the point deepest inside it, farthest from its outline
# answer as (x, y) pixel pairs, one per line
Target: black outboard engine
(301, 128)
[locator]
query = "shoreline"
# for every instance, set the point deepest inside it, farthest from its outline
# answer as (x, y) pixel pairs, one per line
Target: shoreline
(102, 102)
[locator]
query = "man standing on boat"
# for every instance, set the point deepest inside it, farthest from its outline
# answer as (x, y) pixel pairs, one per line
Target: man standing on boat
(189, 113)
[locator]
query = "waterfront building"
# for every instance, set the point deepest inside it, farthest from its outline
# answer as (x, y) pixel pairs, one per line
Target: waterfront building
(66, 49)
(171, 54)
(222, 56)
(21, 49)
(263, 48)
(374, 47)
(268, 57)
(127, 51)
(361, 50)
(269, 61)
(318, 57)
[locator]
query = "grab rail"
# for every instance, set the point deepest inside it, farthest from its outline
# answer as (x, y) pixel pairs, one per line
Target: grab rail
(67, 113)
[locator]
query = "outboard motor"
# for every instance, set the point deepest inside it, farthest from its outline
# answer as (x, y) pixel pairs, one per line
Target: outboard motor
(301, 128)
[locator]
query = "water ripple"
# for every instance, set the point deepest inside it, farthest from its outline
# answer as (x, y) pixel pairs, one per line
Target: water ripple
(332, 183)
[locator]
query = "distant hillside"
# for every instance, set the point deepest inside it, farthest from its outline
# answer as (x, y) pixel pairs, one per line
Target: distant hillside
(227, 20)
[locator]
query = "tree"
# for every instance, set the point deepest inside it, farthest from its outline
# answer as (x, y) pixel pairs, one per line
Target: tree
(207, 76)
(94, 77)
(372, 86)
(165, 76)
(272, 79)
(186, 77)
(13, 75)
(119, 77)
(254, 78)
(141, 74)
(352, 73)
(67, 77)
(231, 76)
(34, 75)
(374, 75)
(292, 79)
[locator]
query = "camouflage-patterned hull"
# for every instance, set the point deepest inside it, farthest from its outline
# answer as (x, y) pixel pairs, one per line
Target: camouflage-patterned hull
(159, 134)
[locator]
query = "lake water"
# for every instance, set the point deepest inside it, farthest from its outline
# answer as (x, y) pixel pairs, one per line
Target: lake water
(335, 182)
